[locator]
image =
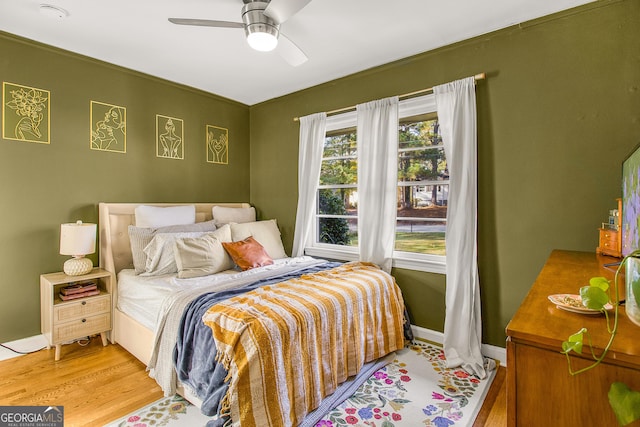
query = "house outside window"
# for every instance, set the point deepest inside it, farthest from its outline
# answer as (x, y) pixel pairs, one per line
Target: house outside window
(422, 192)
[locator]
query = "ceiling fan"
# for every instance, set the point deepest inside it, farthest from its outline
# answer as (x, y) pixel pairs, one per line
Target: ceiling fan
(261, 20)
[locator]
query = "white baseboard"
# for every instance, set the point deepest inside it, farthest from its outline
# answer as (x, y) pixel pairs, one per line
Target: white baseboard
(37, 342)
(23, 345)
(495, 352)
(492, 351)
(427, 334)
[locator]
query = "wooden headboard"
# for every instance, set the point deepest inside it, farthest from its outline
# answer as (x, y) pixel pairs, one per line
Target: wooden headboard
(114, 220)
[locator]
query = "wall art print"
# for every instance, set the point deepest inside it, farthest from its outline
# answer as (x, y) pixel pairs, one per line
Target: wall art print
(217, 145)
(108, 127)
(169, 137)
(25, 113)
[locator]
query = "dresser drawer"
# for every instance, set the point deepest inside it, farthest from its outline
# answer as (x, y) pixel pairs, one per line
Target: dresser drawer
(81, 327)
(82, 307)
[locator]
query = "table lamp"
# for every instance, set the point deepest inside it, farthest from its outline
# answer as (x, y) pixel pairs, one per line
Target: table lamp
(77, 239)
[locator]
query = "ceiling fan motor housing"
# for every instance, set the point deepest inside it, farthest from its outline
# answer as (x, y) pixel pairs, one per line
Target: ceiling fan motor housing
(256, 21)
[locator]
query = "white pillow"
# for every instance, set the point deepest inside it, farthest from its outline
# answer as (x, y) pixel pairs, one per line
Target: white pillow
(156, 216)
(140, 237)
(223, 215)
(161, 251)
(265, 232)
(201, 256)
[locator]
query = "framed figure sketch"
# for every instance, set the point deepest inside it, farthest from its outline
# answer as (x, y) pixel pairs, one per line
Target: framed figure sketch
(217, 145)
(25, 113)
(169, 137)
(108, 127)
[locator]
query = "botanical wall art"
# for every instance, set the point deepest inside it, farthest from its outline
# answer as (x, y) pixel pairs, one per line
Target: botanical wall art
(217, 145)
(169, 137)
(108, 127)
(25, 113)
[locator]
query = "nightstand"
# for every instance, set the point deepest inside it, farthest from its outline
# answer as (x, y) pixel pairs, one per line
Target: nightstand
(609, 242)
(610, 236)
(65, 321)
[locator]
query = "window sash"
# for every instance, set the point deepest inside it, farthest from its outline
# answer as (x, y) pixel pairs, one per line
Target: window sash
(338, 186)
(345, 157)
(423, 183)
(414, 218)
(420, 148)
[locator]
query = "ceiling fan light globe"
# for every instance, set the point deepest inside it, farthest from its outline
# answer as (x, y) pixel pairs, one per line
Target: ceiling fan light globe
(264, 42)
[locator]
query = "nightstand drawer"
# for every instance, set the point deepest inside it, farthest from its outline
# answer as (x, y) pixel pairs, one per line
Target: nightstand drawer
(82, 307)
(90, 325)
(609, 245)
(608, 236)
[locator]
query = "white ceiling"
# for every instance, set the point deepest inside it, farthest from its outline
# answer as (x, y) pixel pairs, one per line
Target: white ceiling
(340, 37)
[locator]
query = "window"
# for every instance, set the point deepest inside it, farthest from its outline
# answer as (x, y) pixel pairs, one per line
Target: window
(337, 202)
(423, 189)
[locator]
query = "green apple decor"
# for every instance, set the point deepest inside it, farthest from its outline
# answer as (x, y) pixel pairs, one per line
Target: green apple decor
(624, 401)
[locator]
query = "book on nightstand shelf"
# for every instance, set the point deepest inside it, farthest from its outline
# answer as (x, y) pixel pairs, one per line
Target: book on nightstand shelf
(79, 290)
(79, 295)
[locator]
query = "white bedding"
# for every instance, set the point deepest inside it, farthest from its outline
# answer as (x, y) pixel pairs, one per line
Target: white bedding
(142, 297)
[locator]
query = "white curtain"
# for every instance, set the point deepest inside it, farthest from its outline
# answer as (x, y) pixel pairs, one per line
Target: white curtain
(312, 134)
(456, 104)
(377, 180)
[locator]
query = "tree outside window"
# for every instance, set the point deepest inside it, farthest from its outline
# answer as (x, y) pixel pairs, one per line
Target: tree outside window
(422, 188)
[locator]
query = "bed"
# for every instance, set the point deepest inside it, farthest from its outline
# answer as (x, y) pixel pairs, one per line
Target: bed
(157, 328)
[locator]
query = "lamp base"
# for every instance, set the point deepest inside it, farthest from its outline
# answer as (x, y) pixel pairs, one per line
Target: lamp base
(77, 266)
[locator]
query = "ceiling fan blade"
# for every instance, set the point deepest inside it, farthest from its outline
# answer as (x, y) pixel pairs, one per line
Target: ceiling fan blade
(206, 23)
(281, 10)
(290, 51)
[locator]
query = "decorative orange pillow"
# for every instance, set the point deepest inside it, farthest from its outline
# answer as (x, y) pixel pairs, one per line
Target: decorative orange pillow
(247, 253)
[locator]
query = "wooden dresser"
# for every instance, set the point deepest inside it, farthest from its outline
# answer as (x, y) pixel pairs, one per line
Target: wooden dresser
(540, 390)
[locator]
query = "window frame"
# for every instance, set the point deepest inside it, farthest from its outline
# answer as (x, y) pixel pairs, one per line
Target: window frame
(407, 260)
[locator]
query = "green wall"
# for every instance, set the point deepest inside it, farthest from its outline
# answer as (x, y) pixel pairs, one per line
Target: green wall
(557, 114)
(42, 186)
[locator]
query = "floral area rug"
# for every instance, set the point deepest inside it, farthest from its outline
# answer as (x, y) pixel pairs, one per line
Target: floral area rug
(416, 389)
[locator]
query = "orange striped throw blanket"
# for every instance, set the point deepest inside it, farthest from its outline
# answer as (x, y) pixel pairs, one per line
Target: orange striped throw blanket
(288, 345)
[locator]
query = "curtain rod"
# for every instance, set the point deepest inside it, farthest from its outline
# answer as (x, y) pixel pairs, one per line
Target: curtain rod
(480, 76)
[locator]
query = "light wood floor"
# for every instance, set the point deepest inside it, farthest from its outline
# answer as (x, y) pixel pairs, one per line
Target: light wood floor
(97, 385)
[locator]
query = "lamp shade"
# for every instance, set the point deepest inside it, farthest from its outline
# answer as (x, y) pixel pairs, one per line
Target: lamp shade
(77, 239)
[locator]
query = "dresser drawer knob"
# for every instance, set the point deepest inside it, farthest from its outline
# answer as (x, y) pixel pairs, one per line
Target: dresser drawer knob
(84, 320)
(84, 303)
